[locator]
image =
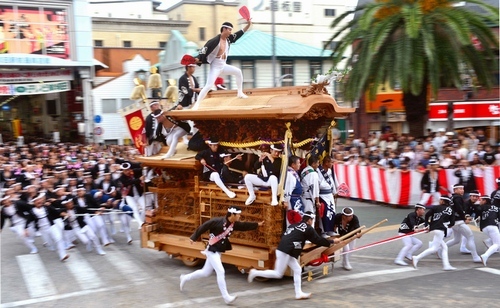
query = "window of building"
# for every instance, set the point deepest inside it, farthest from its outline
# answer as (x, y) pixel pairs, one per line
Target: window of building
(297, 7)
(329, 12)
(98, 43)
(202, 33)
(315, 68)
(248, 70)
(127, 44)
(162, 45)
(330, 45)
(109, 105)
(286, 78)
(127, 102)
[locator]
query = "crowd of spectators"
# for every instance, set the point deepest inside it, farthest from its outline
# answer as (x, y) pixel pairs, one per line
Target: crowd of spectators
(468, 148)
(462, 149)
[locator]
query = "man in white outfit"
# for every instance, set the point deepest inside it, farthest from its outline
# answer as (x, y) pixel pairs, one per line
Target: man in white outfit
(215, 53)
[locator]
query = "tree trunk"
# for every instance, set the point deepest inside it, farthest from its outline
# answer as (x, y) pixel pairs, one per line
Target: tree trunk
(416, 112)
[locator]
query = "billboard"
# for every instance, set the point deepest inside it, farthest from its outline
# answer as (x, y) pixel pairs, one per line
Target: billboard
(286, 11)
(479, 110)
(39, 30)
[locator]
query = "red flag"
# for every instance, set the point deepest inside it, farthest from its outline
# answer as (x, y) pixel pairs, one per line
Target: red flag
(135, 124)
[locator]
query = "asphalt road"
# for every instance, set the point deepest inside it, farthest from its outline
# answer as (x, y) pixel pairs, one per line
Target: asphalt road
(128, 276)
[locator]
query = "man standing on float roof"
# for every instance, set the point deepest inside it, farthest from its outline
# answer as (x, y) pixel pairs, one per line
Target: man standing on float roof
(215, 53)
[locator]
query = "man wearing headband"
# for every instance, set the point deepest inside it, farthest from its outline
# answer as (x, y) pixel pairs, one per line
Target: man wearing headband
(461, 228)
(489, 215)
(220, 229)
(44, 218)
(289, 249)
(344, 223)
(14, 211)
(212, 161)
(411, 243)
(153, 130)
(436, 219)
(430, 184)
(293, 192)
(269, 170)
(310, 186)
(215, 53)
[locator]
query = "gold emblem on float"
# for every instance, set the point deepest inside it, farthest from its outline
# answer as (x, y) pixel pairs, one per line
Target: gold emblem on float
(135, 123)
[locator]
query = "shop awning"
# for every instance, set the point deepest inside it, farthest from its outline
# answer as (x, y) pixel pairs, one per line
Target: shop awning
(99, 65)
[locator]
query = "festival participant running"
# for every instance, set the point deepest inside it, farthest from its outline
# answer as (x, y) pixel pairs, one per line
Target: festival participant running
(220, 229)
(489, 215)
(461, 220)
(289, 250)
(215, 53)
(435, 218)
(15, 210)
(411, 243)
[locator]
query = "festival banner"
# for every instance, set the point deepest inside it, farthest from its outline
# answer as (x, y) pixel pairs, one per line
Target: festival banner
(135, 124)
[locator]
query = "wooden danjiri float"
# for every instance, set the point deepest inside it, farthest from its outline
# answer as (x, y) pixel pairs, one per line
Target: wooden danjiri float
(289, 115)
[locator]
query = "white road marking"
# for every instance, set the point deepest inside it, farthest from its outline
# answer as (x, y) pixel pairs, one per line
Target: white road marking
(366, 274)
(83, 272)
(124, 265)
(489, 270)
(202, 300)
(67, 295)
(35, 276)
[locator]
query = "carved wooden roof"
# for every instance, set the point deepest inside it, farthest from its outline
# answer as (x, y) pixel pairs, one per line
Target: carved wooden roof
(287, 103)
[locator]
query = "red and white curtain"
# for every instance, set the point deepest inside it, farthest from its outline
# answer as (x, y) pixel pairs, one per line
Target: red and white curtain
(403, 188)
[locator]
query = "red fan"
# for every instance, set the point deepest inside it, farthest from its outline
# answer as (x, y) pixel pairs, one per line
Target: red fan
(244, 12)
(188, 60)
(343, 190)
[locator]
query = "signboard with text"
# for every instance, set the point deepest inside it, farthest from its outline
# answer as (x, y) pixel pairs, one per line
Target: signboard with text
(38, 76)
(41, 30)
(34, 88)
(483, 110)
(285, 11)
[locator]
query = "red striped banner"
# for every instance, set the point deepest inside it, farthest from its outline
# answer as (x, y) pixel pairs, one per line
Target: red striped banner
(403, 188)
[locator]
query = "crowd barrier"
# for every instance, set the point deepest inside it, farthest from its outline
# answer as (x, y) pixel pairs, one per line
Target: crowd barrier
(402, 188)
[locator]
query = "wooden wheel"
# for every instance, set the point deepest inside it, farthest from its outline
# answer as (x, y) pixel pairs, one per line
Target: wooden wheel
(191, 262)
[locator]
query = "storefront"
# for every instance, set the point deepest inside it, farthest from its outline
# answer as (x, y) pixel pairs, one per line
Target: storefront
(45, 58)
(475, 114)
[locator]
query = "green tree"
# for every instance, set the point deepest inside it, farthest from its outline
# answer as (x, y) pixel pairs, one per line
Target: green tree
(420, 45)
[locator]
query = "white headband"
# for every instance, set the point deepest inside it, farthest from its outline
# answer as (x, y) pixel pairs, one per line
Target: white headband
(224, 26)
(312, 216)
(234, 210)
(343, 211)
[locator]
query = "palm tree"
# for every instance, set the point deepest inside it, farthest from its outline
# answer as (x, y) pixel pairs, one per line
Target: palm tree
(419, 45)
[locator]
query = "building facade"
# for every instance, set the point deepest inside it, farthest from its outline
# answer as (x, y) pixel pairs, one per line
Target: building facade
(46, 66)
